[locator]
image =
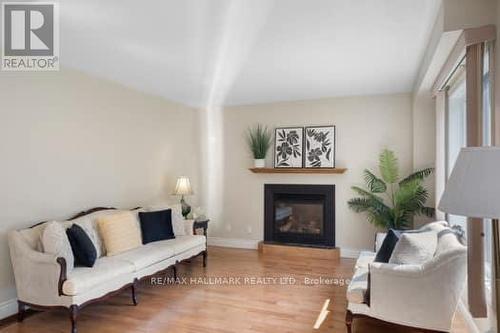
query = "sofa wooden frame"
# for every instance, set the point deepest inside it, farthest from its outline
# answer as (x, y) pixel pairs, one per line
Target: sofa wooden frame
(350, 316)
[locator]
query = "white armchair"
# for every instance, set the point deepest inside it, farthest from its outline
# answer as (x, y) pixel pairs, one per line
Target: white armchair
(421, 296)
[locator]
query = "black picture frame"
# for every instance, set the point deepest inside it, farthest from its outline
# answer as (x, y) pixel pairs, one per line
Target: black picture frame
(296, 149)
(324, 147)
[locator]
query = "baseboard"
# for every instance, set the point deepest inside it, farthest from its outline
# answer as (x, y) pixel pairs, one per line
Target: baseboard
(349, 253)
(252, 244)
(237, 243)
(8, 308)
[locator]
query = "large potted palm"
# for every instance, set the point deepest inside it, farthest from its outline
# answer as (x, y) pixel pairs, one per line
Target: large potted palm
(391, 202)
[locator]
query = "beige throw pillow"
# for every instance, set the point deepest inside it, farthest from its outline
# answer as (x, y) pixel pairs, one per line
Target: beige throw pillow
(119, 232)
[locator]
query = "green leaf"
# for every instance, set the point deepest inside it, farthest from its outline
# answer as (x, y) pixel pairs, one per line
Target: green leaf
(360, 205)
(377, 212)
(406, 198)
(410, 198)
(365, 193)
(375, 184)
(259, 141)
(389, 168)
(428, 211)
(417, 175)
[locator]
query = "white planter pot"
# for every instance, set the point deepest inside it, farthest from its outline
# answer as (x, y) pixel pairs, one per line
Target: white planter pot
(259, 163)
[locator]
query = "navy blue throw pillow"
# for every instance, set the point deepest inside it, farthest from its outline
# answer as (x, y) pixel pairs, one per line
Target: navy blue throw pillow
(156, 226)
(83, 249)
(390, 241)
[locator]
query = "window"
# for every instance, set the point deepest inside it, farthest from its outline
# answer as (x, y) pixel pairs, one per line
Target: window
(487, 141)
(456, 129)
(456, 138)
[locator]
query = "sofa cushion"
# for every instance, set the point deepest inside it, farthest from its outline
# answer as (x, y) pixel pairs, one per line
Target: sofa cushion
(182, 243)
(155, 252)
(357, 289)
(414, 248)
(84, 250)
(146, 255)
(55, 241)
(84, 279)
(156, 226)
(120, 232)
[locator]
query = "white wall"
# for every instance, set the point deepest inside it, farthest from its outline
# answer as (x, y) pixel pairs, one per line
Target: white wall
(365, 125)
(69, 142)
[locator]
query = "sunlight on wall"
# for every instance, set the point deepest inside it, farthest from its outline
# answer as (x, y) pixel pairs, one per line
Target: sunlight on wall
(242, 22)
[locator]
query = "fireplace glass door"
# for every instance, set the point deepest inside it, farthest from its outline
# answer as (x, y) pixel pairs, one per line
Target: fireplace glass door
(299, 215)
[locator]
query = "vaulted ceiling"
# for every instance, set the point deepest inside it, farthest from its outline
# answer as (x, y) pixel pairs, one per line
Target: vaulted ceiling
(221, 52)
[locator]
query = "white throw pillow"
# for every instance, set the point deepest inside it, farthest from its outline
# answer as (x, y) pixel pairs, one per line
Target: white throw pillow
(178, 221)
(414, 248)
(55, 241)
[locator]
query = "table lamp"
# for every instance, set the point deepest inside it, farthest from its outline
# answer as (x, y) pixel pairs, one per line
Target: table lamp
(182, 188)
(473, 190)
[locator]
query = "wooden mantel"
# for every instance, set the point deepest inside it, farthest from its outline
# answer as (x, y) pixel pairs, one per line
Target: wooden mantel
(299, 170)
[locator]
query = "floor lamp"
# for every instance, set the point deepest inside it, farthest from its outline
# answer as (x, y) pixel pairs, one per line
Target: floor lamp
(473, 190)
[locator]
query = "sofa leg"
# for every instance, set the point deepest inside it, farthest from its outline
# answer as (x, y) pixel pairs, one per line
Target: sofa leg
(21, 311)
(348, 321)
(134, 292)
(73, 315)
(174, 269)
(205, 258)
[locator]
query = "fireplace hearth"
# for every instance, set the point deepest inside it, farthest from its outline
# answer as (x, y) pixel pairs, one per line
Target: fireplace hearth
(299, 215)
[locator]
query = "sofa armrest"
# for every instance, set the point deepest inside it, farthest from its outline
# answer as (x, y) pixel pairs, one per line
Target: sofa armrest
(412, 294)
(393, 270)
(38, 276)
(188, 227)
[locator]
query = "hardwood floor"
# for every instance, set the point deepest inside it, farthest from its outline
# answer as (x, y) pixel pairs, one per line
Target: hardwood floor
(227, 308)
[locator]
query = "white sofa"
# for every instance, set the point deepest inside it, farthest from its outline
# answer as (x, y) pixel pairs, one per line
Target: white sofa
(42, 281)
(420, 296)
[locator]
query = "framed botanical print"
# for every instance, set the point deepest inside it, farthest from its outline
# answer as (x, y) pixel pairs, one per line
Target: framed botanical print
(319, 147)
(288, 145)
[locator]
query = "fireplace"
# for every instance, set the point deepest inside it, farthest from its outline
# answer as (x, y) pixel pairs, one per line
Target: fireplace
(299, 215)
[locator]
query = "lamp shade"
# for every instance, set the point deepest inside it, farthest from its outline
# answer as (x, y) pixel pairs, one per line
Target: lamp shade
(183, 186)
(473, 189)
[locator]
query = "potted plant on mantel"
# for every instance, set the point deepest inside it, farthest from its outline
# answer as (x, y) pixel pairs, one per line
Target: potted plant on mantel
(259, 142)
(388, 201)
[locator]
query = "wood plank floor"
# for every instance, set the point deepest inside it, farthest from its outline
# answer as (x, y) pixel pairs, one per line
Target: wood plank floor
(242, 308)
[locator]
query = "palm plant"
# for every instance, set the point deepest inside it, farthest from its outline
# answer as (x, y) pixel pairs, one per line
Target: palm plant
(388, 201)
(259, 141)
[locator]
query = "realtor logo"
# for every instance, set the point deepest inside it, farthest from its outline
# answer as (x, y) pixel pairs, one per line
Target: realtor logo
(30, 36)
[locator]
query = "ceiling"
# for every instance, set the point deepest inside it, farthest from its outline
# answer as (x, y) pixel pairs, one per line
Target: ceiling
(226, 52)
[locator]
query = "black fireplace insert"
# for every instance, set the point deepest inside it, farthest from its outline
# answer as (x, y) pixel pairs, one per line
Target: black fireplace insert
(299, 214)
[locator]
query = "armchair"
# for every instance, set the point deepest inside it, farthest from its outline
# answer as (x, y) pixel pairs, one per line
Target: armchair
(419, 296)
